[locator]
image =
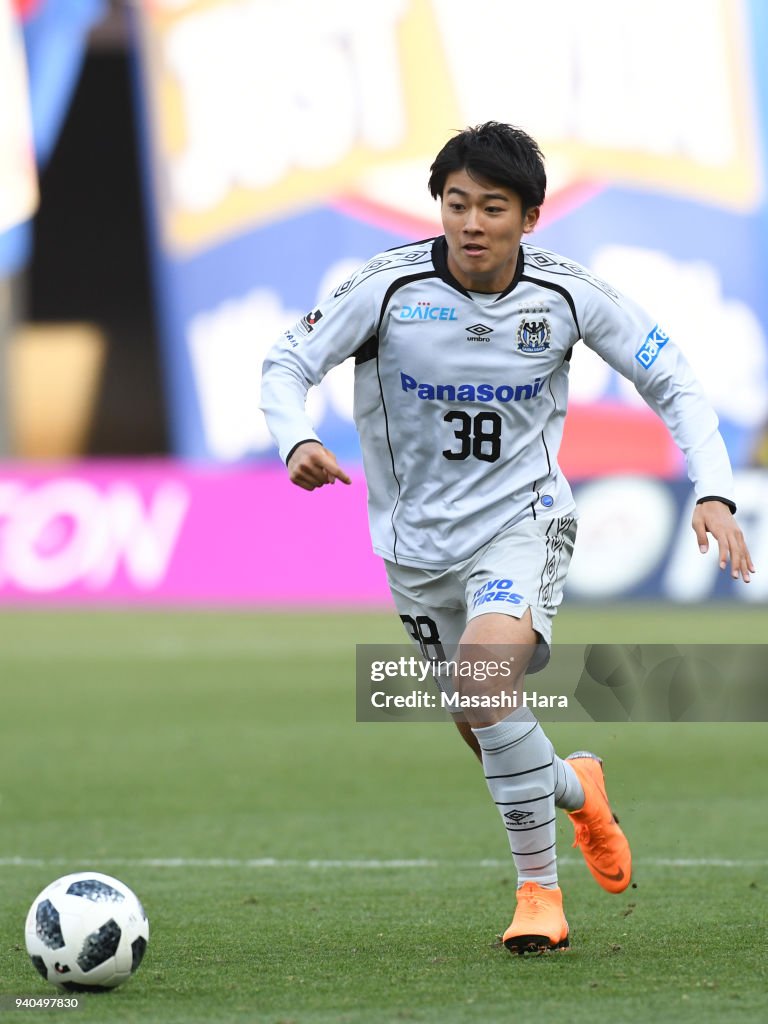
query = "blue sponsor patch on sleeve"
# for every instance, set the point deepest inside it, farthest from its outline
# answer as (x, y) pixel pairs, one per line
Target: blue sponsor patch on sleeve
(648, 352)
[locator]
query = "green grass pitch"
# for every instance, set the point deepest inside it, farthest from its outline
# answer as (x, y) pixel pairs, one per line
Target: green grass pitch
(299, 867)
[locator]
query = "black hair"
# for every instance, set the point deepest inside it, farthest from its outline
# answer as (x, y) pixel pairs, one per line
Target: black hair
(497, 153)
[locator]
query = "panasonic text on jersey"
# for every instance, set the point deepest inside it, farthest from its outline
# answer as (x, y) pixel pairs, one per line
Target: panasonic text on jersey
(471, 392)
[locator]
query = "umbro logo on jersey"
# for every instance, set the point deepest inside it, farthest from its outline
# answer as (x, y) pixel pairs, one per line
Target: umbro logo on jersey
(479, 332)
(426, 311)
(533, 336)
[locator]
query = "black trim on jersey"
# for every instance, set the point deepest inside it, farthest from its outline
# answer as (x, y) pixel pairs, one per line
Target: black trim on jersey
(519, 267)
(307, 440)
(368, 350)
(535, 499)
(560, 290)
(714, 497)
(546, 450)
(440, 260)
(401, 282)
(554, 403)
(373, 342)
(535, 487)
(383, 266)
(392, 459)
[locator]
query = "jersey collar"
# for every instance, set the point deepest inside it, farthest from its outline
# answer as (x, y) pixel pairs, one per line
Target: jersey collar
(440, 260)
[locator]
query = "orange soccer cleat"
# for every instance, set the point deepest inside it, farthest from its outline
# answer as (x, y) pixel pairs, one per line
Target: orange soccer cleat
(602, 842)
(539, 924)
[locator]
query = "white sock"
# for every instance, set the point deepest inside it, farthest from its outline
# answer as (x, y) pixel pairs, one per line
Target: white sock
(569, 793)
(518, 765)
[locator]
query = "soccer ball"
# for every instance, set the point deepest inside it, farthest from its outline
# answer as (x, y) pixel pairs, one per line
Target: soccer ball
(86, 932)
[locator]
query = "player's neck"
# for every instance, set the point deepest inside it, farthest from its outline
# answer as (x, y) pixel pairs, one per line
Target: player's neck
(491, 282)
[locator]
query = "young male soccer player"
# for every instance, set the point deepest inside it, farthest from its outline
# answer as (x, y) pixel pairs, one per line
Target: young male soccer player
(462, 346)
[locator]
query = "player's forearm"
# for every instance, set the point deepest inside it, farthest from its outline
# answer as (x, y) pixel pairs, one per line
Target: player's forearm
(693, 424)
(283, 399)
(709, 468)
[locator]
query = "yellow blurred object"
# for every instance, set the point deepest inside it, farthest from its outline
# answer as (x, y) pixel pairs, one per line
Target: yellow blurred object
(54, 374)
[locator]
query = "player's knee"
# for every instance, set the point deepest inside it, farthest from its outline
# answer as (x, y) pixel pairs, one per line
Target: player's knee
(492, 628)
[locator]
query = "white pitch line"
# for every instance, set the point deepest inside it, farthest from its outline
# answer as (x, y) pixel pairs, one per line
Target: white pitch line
(364, 865)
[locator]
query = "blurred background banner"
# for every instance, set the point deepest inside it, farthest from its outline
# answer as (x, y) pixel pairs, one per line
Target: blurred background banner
(286, 142)
(154, 532)
(150, 532)
(209, 169)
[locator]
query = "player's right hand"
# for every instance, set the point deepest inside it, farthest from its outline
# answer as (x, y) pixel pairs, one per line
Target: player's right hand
(312, 465)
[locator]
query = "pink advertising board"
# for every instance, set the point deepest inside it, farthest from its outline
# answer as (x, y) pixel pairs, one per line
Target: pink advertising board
(160, 533)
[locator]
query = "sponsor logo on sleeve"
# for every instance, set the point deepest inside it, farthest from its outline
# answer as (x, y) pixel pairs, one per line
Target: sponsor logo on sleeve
(307, 323)
(648, 352)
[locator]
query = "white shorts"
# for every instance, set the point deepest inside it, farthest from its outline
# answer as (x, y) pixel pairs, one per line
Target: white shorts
(523, 567)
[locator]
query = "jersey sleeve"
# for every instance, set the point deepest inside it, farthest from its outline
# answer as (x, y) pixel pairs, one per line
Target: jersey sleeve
(628, 340)
(304, 353)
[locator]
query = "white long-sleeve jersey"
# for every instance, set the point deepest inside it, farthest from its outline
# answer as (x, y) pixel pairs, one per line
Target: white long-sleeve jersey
(460, 404)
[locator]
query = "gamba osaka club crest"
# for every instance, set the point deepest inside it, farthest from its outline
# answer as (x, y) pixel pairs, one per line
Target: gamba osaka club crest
(533, 336)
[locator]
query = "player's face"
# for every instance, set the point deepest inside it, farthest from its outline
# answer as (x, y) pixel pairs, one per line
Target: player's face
(483, 225)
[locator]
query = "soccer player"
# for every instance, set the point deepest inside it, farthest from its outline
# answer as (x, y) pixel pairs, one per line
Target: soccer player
(462, 346)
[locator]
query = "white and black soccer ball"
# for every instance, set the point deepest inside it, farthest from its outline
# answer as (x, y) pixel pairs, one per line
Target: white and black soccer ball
(86, 932)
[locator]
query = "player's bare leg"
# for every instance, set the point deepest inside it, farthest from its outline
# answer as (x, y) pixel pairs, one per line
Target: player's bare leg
(465, 729)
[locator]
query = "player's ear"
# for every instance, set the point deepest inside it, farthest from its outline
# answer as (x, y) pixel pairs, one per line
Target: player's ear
(531, 219)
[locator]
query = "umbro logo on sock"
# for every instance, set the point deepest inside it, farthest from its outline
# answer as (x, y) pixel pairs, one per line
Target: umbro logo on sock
(518, 817)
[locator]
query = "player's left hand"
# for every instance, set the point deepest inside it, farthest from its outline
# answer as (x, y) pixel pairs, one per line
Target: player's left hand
(716, 518)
